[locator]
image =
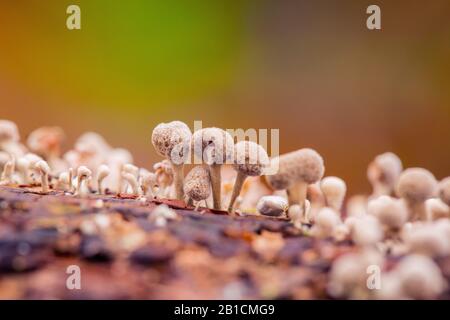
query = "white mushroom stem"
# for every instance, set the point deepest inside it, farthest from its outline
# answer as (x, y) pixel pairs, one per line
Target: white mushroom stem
(216, 183)
(71, 175)
(44, 171)
(297, 195)
(83, 174)
(178, 180)
(103, 172)
(64, 181)
(8, 170)
(239, 182)
(132, 181)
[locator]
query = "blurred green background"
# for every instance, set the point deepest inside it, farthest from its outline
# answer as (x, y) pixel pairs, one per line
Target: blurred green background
(309, 68)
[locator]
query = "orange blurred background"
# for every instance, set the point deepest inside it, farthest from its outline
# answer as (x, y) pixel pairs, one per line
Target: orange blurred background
(310, 68)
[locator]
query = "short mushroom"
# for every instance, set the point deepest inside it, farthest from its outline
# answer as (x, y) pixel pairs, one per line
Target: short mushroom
(273, 206)
(383, 173)
(326, 222)
(172, 140)
(296, 170)
(416, 185)
(7, 173)
(391, 212)
(250, 160)
(333, 189)
(102, 172)
(83, 175)
(9, 139)
(197, 185)
(148, 182)
(214, 147)
(44, 170)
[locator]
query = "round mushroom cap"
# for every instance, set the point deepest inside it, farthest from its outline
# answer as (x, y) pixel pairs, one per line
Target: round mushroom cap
(302, 165)
(197, 183)
(327, 219)
(272, 205)
(172, 140)
(92, 143)
(391, 212)
(8, 131)
(250, 158)
(416, 185)
(385, 168)
(43, 166)
(427, 239)
(420, 277)
(444, 190)
(45, 140)
(366, 230)
(213, 145)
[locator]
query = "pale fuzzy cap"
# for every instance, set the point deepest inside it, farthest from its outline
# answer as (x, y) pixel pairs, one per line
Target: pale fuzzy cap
(302, 165)
(416, 185)
(326, 221)
(437, 209)
(171, 140)
(427, 239)
(385, 168)
(391, 212)
(213, 145)
(357, 205)
(250, 158)
(334, 190)
(45, 139)
(83, 171)
(444, 190)
(103, 171)
(8, 131)
(348, 274)
(42, 166)
(366, 230)
(420, 277)
(272, 205)
(92, 143)
(197, 184)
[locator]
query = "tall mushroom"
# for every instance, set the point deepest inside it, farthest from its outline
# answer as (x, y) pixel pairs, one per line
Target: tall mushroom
(250, 160)
(197, 185)
(172, 140)
(296, 170)
(416, 185)
(383, 173)
(215, 147)
(44, 170)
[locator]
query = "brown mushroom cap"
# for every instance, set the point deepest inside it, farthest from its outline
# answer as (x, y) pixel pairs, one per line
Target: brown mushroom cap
(167, 136)
(197, 183)
(444, 190)
(250, 158)
(416, 185)
(302, 165)
(213, 145)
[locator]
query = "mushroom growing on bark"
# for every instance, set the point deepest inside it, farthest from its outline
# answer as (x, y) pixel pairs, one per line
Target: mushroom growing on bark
(9, 139)
(296, 170)
(83, 175)
(416, 185)
(172, 140)
(214, 147)
(333, 189)
(102, 172)
(46, 142)
(44, 170)
(250, 160)
(197, 185)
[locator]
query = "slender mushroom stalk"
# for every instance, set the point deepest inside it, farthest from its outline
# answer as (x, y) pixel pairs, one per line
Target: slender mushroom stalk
(416, 185)
(83, 174)
(383, 173)
(7, 173)
(71, 177)
(171, 140)
(132, 170)
(333, 189)
(148, 183)
(215, 147)
(197, 185)
(132, 181)
(44, 171)
(64, 181)
(296, 170)
(250, 160)
(102, 172)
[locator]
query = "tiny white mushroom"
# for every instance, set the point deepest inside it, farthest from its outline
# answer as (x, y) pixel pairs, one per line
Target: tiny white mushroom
(83, 175)
(7, 174)
(102, 172)
(132, 181)
(44, 170)
(334, 190)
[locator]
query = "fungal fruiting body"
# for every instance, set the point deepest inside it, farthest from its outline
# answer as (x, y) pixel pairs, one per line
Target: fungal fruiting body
(272, 206)
(383, 173)
(416, 185)
(444, 190)
(172, 140)
(333, 189)
(9, 139)
(250, 160)
(391, 212)
(148, 183)
(46, 141)
(102, 172)
(197, 184)
(83, 174)
(214, 147)
(7, 173)
(130, 174)
(295, 171)
(436, 209)
(326, 222)
(44, 171)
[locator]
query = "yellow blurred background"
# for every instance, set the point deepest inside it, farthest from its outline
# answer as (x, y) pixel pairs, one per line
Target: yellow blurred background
(310, 68)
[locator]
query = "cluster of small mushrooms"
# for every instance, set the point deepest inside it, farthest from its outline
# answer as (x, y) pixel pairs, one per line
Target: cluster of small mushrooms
(407, 215)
